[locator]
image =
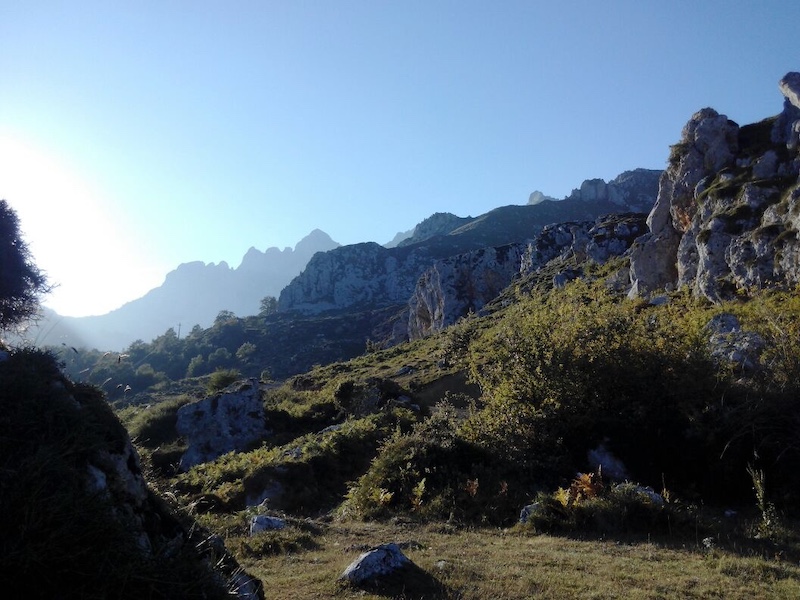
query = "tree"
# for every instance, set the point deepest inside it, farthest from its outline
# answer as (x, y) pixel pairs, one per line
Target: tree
(269, 305)
(21, 281)
(223, 317)
(245, 351)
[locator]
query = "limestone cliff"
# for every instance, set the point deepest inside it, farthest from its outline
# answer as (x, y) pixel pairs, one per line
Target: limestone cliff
(726, 217)
(453, 287)
(632, 191)
(371, 275)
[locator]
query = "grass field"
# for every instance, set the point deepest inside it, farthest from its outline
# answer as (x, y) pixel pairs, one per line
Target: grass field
(305, 560)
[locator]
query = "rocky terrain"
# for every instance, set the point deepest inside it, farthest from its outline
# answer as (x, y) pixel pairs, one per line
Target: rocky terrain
(557, 413)
(453, 287)
(726, 217)
(372, 275)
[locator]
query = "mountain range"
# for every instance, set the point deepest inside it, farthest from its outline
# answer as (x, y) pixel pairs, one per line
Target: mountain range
(319, 275)
(193, 294)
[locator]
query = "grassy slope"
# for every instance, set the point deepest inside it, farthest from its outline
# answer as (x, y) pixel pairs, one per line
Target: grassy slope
(304, 561)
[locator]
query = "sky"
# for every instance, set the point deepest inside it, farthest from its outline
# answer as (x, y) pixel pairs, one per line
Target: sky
(136, 136)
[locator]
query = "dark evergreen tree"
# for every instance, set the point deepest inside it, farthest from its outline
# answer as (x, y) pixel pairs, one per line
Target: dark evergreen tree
(21, 281)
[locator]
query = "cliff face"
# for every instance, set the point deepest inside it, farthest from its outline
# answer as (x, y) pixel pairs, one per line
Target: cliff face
(453, 287)
(631, 191)
(463, 253)
(351, 276)
(726, 217)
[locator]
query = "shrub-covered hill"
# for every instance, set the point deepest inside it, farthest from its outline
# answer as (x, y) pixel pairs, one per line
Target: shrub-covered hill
(76, 515)
(474, 423)
(272, 346)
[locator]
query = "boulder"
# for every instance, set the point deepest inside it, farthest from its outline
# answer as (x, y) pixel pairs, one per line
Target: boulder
(601, 459)
(528, 511)
(233, 419)
(261, 523)
(378, 562)
(728, 343)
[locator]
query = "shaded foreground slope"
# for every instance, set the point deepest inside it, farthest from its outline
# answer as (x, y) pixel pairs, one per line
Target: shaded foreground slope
(77, 518)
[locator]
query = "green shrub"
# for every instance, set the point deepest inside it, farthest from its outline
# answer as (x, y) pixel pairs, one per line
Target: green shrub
(590, 506)
(312, 471)
(153, 425)
(564, 371)
(221, 379)
(431, 473)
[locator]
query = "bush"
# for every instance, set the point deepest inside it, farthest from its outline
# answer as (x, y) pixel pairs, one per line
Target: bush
(310, 473)
(589, 506)
(432, 473)
(221, 379)
(565, 371)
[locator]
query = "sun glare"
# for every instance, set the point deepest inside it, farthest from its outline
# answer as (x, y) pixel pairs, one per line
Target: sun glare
(72, 231)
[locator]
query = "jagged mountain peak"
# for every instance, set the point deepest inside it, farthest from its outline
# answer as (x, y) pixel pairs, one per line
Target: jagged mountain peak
(193, 293)
(314, 241)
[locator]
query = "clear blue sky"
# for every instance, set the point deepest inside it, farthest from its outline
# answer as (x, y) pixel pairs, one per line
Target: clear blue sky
(136, 136)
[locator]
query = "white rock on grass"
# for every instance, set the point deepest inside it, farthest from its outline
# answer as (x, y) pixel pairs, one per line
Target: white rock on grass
(261, 523)
(377, 562)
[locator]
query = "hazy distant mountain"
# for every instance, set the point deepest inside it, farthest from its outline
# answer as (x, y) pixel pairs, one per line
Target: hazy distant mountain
(192, 294)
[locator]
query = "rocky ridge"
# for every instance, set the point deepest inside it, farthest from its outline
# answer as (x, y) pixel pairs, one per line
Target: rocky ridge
(372, 275)
(726, 217)
(453, 287)
(193, 293)
(633, 191)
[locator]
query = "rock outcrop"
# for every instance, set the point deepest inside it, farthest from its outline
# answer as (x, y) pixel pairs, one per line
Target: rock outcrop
(360, 274)
(436, 224)
(632, 191)
(726, 219)
(538, 197)
(729, 344)
(233, 419)
(453, 287)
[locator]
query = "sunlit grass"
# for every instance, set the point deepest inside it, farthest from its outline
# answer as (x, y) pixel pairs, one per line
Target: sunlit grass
(477, 564)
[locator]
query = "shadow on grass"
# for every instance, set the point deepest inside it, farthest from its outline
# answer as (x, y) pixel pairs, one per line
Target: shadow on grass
(409, 583)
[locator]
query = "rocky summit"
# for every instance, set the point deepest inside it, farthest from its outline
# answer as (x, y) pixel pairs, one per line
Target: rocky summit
(726, 217)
